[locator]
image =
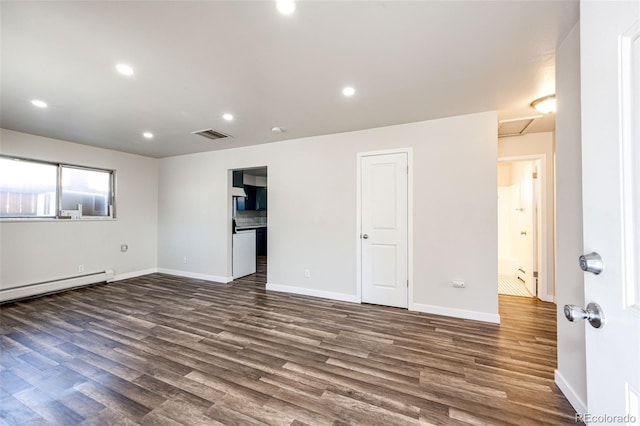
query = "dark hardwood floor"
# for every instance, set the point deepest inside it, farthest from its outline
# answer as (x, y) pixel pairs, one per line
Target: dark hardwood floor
(163, 350)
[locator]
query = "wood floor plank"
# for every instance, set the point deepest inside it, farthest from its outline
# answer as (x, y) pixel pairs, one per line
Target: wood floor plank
(166, 350)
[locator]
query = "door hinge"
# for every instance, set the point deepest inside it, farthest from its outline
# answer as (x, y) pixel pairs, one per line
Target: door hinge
(535, 175)
(535, 274)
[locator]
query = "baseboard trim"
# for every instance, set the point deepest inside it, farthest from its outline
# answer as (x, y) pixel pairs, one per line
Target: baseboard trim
(576, 402)
(312, 292)
(134, 274)
(212, 278)
(456, 313)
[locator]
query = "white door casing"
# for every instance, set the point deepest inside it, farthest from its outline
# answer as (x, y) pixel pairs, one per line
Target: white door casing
(610, 90)
(383, 234)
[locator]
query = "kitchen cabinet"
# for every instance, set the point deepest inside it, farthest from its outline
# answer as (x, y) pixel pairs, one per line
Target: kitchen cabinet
(238, 179)
(261, 241)
(244, 253)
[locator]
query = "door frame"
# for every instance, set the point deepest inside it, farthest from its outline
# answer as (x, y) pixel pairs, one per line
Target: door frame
(230, 208)
(542, 230)
(359, 156)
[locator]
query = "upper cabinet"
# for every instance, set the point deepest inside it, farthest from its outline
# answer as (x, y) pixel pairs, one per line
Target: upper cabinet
(238, 179)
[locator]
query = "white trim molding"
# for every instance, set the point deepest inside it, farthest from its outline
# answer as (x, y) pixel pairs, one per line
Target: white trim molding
(186, 274)
(576, 402)
(312, 292)
(456, 313)
(134, 274)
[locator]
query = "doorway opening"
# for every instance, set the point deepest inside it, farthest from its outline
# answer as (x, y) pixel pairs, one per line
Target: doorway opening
(249, 224)
(519, 236)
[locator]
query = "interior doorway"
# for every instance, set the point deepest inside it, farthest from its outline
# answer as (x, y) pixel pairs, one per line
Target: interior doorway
(519, 239)
(249, 189)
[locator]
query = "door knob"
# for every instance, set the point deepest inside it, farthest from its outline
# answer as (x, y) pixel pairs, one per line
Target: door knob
(591, 262)
(523, 232)
(593, 314)
(365, 236)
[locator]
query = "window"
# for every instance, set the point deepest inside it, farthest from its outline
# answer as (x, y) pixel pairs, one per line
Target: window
(86, 190)
(34, 189)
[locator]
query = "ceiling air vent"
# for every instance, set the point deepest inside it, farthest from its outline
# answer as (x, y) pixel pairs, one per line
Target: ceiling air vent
(515, 126)
(211, 134)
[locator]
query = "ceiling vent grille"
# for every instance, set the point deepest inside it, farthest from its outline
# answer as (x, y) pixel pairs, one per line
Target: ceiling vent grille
(515, 126)
(211, 134)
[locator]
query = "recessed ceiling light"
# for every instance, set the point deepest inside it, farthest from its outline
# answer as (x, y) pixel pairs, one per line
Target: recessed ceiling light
(546, 104)
(286, 7)
(277, 130)
(39, 103)
(148, 135)
(348, 91)
(124, 69)
(227, 116)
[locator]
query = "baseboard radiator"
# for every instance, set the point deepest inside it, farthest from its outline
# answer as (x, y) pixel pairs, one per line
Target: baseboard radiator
(47, 287)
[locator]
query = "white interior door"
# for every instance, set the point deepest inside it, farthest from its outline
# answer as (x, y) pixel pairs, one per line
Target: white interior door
(384, 225)
(610, 87)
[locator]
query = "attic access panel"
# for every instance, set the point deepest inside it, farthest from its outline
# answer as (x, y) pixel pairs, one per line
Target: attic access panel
(515, 126)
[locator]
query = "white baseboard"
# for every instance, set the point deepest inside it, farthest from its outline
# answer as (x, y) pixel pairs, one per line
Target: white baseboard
(576, 402)
(52, 286)
(213, 278)
(312, 292)
(547, 298)
(456, 313)
(134, 274)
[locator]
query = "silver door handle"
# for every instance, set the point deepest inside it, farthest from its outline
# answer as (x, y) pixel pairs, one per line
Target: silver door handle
(365, 236)
(593, 314)
(591, 262)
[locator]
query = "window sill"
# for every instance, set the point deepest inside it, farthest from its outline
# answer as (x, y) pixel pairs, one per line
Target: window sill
(55, 219)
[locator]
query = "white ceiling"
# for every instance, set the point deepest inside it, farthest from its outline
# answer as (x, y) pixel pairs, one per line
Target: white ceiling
(194, 61)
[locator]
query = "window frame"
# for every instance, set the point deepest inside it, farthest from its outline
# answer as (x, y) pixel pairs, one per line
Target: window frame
(59, 189)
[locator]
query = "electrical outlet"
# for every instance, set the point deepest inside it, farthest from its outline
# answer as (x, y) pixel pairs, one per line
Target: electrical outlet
(124, 247)
(80, 268)
(307, 273)
(184, 260)
(459, 284)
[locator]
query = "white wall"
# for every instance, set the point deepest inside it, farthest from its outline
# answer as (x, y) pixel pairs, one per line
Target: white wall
(538, 144)
(571, 373)
(37, 251)
(312, 220)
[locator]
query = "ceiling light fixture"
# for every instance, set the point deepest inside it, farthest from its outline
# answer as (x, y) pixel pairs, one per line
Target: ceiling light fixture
(124, 69)
(286, 7)
(148, 135)
(545, 104)
(348, 91)
(227, 116)
(277, 130)
(39, 103)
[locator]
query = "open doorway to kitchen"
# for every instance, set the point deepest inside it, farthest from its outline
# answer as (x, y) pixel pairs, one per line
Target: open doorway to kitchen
(519, 239)
(249, 205)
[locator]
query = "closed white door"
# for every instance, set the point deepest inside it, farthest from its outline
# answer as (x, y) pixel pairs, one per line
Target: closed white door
(610, 59)
(384, 227)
